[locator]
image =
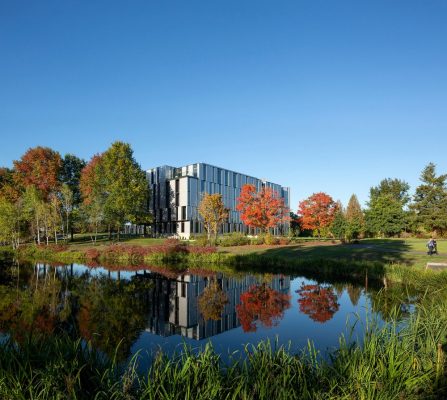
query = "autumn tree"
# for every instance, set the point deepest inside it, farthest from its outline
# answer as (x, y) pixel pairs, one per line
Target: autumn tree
(264, 209)
(430, 200)
(354, 218)
(213, 212)
(317, 212)
(319, 302)
(8, 188)
(39, 167)
(261, 303)
(93, 192)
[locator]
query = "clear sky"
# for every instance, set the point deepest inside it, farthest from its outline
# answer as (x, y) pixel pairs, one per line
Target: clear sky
(326, 96)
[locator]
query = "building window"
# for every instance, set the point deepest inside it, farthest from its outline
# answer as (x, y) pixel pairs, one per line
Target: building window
(183, 212)
(182, 229)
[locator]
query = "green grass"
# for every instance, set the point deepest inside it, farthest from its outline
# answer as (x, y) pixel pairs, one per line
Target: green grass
(408, 251)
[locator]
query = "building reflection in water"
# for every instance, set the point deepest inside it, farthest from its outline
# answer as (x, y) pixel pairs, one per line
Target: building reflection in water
(174, 306)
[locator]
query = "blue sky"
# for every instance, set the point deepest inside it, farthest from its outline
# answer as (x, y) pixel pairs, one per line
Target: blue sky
(317, 95)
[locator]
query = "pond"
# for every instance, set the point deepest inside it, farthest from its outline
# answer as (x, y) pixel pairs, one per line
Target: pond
(153, 309)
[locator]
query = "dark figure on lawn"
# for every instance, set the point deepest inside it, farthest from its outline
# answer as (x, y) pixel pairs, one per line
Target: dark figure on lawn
(432, 247)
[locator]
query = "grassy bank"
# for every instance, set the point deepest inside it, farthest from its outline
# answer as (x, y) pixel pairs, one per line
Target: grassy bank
(395, 362)
(395, 260)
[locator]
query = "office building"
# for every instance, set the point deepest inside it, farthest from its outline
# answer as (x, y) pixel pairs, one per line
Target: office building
(176, 194)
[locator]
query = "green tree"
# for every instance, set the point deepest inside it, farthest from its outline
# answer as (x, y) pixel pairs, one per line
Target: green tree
(385, 216)
(430, 200)
(34, 212)
(70, 174)
(70, 192)
(125, 185)
(354, 218)
(339, 224)
(295, 226)
(11, 222)
(396, 188)
(213, 212)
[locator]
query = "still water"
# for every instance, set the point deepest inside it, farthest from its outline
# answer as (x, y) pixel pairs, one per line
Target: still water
(153, 309)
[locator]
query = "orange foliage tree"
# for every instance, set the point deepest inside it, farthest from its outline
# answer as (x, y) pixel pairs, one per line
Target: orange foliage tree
(318, 302)
(317, 212)
(261, 303)
(212, 302)
(263, 209)
(39, 167)
(90, 179)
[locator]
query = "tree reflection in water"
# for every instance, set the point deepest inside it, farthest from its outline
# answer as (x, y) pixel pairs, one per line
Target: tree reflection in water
(212, 302)
(261, 303)
(318, 302)
(50, 301)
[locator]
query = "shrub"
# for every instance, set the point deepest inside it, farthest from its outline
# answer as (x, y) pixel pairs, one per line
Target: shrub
(201, 240)
(284, 241)
(270, 239)
(234, 239)
(92, 254)
(257, 240)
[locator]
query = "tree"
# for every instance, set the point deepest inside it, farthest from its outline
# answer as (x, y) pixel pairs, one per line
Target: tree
(34, 210)
(295, 224)
(430, 200)
(212, 301)
(66, 206)
(126, 187)
(354, 219)
(11, 222)
(8, 189)
(213, 212)
(261, 303)
(93, 191)
(385, 215)
(70, 174)
(39, 167)
(263, 209)
(317, 212)
(70, 192)
(319, 302)
(395, 188)
(339, 224)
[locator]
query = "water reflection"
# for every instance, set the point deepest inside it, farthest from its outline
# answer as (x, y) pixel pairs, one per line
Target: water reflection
(147, 306)
(319, 302)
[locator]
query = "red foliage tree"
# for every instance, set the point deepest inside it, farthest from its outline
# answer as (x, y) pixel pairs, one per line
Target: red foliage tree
(318, 302)
(261, 303)
(90, 179)
(317, 212)
(263, 209)
(39, 167)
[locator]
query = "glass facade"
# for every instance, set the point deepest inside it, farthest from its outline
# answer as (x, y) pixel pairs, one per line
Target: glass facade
(180, 191)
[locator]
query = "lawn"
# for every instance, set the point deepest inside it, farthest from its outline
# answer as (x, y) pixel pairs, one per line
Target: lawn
(406, 251)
